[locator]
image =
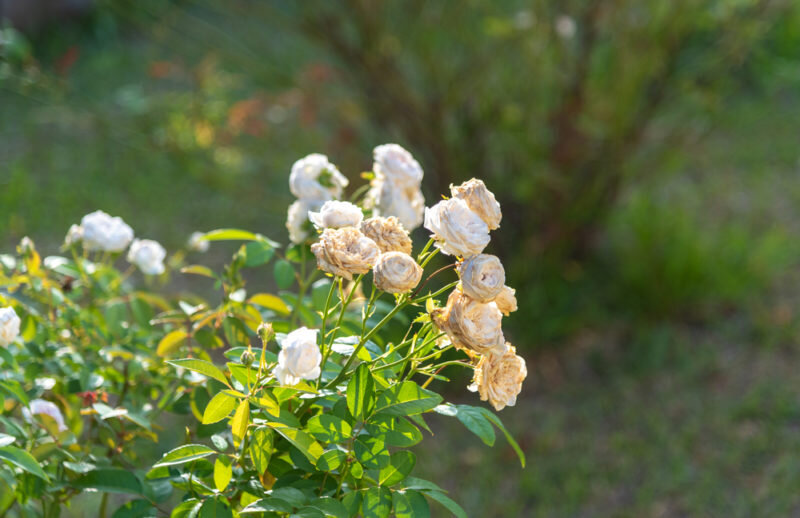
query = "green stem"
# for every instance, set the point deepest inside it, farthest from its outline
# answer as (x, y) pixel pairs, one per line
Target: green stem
(342, 311)
(103, 505)
(322, 330)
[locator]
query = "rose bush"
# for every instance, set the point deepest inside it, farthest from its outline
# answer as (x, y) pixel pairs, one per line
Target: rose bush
(301, 402)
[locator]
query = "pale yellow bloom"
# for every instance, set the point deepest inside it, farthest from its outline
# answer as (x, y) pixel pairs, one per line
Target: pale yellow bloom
(396, 272)
(388, 234)
(345, 251)
(480, 200)
(506, 300)
(470, 324)
(499, 377)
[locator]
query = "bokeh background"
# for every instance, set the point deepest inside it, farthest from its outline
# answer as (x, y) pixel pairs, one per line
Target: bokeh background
(646, 155)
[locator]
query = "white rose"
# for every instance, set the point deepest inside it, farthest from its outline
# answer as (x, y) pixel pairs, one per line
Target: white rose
(388, 234)
(148, 255)
(456, 229)
(74, 235)
(297, 222)
(482, 277)
(387, 198)
(315, 178)
(299, 358)
(470, 324)
(396, 164)
(506, 300)
(480, 200)
(9, 326)
(196, 242)
(499, 377)
(103, 233)
(336, 214)
(345, 251)
(396, 272)
(42, 407)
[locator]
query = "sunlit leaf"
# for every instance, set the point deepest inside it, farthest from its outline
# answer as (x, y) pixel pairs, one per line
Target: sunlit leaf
(219, 408)
(171, 342)
(184, 454)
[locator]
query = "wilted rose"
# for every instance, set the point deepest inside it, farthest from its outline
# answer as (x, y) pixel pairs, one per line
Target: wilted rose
(480, 200)
(148, 256)
(314, 178)
(471, 324)
(482, 277)
(499, 377)
(9, 326)
(345, 251)
(396, 272)
(388, 234)
(456, 229)
(506, 300)
(299, 358)
(101, 232)
(337, 214)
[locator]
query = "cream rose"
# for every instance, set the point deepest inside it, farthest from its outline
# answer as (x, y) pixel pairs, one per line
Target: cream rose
(396, 164)
(396, 272)
(9, 326)
(456, 229)
(314, 178)
(101, 232)
(345, 251)
(196, 242)
(297, 222)
(42, 407)
(299, 358)
(388, 234)
(471, 324)
(336, 214)
(506, 300)
(148, 256)
(482, 277)
(480, 200)
(499, 377)
(406, 203)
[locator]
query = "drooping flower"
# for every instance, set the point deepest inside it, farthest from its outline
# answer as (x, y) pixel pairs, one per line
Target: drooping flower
(499, 377)
(196, 242)
(313, 177)
(456, 229)
(506, 300)
(396, 272)
(9, 326)
(470, 324)
(299, 358)
(345, 251)
(337, 214)
(388, 234)
(104, 233)
(482, 277)
(43, 407)
(297, 222)
(480, 200)
(148, 256)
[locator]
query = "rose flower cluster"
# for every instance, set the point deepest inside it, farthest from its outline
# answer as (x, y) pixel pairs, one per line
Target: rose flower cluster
(349, 245)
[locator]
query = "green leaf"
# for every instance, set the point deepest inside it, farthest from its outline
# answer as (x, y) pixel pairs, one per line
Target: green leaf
(240, 421)
(135, 509)
(183, 454)
(284, 274)
(219, 408)
(329, 428)
(171, 342)
(372, 453)
(402, 462)
(302, 441)
(471, 417)
(449, 503)
(203, 367)
(197, 269)
(110, 480)
(231, 234)
(268, 505)
(15, 390)
(258, 253)
(361, 393)
(498, 423)
(330, 507)
(395, 431)
(187, 509)
(410, 504)
(24, 460)
(268, 301)
(261, 448)
(376, 502)
(290, 494)
(223, 471)
(352, 502)
(330, 460)
(215, 508)
(406, 398)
